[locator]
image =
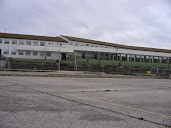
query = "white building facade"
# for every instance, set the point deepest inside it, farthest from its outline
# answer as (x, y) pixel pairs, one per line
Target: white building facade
(41, 47)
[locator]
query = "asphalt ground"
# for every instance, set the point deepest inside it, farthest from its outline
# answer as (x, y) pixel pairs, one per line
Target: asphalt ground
(57, 102)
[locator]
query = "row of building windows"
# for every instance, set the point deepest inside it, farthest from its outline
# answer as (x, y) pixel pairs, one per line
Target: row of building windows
(28, 53)
(28, 42)
(89, 45)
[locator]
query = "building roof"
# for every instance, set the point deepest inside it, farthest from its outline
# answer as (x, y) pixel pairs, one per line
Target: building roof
(31, 37)
(116, 45)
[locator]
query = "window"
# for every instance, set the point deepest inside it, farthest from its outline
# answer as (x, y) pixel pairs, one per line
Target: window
(70, 43)
(81, 44)
(92, 45)
(0, 41)
(52, 43)
(13, 53)
(28, 42)
(28, 53)
(35, 43)
(49, 43)
(87, 45)
(42, 43)
(42, 54)
(76, 44)
(21, 42)
(20, 53)
(49, 54)
(60, 44)
(96, 45)
(35, 53)
(6, 42)
(14, 41)
(6, 52)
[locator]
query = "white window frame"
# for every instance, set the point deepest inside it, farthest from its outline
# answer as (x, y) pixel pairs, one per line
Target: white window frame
(14, 42)
(48, 54)
(6, 40)
(34, 53)
(20, 53)
(1, 41)
(28, 42)
(42, 43)
(21, 42)
(28, 53)
(35, 43)
(6, 52)
(13, 52)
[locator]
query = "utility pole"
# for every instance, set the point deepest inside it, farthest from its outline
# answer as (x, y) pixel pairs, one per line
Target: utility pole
(75, 62)
(59, 65)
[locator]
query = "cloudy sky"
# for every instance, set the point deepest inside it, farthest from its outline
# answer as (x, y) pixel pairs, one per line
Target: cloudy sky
(130, 22)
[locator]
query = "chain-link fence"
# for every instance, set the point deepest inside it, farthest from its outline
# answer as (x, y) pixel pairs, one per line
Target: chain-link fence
(107, 69)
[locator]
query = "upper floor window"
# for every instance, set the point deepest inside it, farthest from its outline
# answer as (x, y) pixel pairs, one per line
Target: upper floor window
(0, 41)
(87, 45)
(21, 42)
(14, 41)
(76, 44)
(70, 43)
(6, 41)
(92, 45)
(81, 44)
(28, 42)
(42, 43)
(35, 43)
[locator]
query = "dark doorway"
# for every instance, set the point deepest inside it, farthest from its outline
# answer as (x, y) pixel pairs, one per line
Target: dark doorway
(0, 52)
(83, 56)
(63, 56)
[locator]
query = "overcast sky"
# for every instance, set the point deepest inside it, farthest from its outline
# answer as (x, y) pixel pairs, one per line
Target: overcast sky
(130, 22)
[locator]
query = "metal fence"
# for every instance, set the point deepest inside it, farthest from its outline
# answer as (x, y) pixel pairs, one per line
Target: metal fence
(107, 69)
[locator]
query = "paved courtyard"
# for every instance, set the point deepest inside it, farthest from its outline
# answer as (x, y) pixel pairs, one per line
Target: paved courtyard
(57, 102)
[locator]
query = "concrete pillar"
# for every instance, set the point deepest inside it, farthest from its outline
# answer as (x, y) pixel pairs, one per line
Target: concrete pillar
(135, 56)
(141, 58)
(109, 56)
(98, 55)
(130, 57)
(120, 57)
(127, 58)
(153, 59)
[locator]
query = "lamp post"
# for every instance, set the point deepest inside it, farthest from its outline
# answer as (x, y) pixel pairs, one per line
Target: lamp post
(59, 65)
(117, 58)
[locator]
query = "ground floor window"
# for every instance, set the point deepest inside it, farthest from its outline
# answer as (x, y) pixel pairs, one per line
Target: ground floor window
(6, 52)
(28, 53)
(35, 53)
(49, 54)
(13, 52)
(20, 53)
